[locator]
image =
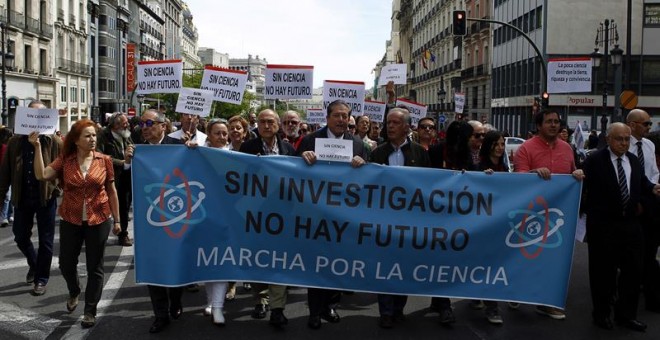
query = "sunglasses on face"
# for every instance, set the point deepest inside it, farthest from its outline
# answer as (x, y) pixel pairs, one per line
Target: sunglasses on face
(351, 126)
(148, 123)
(303, 130)
(291, 122)
(478, 135)
(427, 127)
(645, 123)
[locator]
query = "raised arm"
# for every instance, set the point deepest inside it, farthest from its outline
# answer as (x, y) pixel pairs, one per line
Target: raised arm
(41, 173)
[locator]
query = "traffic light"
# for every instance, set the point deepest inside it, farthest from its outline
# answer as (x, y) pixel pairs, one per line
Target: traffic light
(545, 100)
(459, 27)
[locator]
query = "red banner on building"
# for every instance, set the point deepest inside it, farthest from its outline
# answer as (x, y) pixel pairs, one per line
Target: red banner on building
(130, 67)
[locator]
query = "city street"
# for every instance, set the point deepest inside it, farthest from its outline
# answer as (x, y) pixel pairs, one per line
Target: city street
(125, 311)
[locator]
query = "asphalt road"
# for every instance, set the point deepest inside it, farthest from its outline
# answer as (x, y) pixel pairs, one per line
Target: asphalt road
(125, 311)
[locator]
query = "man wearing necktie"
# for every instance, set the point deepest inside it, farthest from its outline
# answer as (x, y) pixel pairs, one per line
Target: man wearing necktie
(613, 186)
(321, 301)
(640, 124)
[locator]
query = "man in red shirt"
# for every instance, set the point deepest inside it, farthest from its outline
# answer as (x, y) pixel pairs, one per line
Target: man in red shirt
(546, 154)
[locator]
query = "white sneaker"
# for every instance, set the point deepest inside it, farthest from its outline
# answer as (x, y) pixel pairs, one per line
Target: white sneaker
(218, 316)
(207, 311)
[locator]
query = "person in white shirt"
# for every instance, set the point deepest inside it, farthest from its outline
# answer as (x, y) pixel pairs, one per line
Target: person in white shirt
(640, 124)
(188, 130)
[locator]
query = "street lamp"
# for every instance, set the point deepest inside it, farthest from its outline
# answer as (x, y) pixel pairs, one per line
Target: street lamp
(7, 61)
(441, 97)
(606, 35)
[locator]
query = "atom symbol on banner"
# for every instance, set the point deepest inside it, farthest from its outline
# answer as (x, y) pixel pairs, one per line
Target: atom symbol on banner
(175, 204)
(536, 228)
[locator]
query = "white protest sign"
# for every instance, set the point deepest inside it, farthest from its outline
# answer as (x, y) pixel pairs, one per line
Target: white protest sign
(227, 85)
(316, 116)
(375, 110)
(160, 76)
(289, 82)
(417, 110)
(352, 92)
(29, 120)
(195, 101)
(459, 102)
(569, 75)
(332, 149)
(393, 72)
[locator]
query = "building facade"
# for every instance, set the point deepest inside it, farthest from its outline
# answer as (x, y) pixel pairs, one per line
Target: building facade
(70, 56)
(256, 69)
(209, 56)
(475, 76)
(189, 45)
(519, 78)
(172, 14)
(29, 65)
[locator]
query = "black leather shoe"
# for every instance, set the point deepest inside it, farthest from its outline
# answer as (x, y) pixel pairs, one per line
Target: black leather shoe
(259, 311)
(314, 322)
(447, 316)
(633, 324)
(277, 318)
(386, 321)
(331, 316)
(159, 324)
(176, 311)
(604, 323)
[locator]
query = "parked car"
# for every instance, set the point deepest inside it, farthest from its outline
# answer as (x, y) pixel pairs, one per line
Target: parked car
(511, 145)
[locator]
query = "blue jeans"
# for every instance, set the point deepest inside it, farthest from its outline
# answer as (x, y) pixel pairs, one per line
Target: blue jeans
(39, 261)
(6, 211)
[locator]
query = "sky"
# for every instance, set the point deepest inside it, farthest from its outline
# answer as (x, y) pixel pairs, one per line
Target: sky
(342, 39)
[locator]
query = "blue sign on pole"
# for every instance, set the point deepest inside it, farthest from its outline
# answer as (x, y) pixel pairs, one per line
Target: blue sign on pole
(442, 119)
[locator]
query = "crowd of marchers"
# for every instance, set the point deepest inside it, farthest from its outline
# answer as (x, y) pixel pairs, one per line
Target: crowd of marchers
(90, 168)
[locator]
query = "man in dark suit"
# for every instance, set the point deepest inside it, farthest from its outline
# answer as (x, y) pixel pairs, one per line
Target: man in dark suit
(115, 141)
(321, 301)
(614, 185)
(397, 151)
(166, 301)
(268, 143)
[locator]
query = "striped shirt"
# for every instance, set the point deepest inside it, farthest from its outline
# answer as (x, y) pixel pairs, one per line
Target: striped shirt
(89, 190)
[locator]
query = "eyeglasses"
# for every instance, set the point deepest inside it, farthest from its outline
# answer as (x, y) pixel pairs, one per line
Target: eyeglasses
(478, 135)
(291, 122)
(427, 127)
(148, 123)
(351, 126)
(648, 123)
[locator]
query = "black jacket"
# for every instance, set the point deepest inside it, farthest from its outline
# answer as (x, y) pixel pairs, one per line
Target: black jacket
(308, 143)
(413, 154)
(256, 147)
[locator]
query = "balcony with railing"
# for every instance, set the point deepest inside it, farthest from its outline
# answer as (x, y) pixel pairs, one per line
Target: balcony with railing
(46, 30)
(72, 66)
(16, 19)
(32, 26)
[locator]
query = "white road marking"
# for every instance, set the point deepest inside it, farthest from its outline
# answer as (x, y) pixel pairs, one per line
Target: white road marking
(26, 323)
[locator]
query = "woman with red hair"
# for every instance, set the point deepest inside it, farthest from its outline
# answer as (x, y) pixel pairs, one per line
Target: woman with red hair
(89, 200)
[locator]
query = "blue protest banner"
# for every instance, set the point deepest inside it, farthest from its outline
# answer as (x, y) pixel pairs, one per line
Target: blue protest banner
(215, 215)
